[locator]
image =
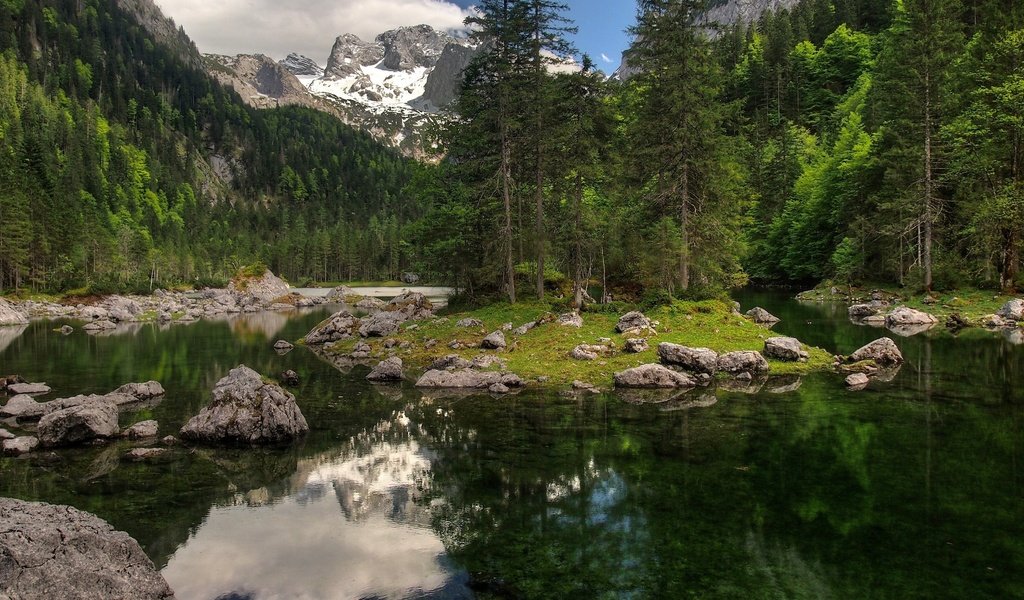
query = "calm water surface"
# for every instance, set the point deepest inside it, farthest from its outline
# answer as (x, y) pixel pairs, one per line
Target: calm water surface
(791, 489)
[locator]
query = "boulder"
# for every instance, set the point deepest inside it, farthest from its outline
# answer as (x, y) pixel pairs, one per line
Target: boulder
(498, 388)
(6, 435)
(267, 287)
(762, 317)
(23, 407)
(387, 370)
(636, 345)
(290, 378)
(909, 316)
(494, 341)
(857, 380)
(340, 325)
(1012, 310)
(883, 351)
(339, 293)
(745, 361)
(585, 352)
(785, 348)
(467, 378)
(469, 323)
(141, 391)
(696, 360)
(78, 424)
(653, 376)
(633, 322)
(28, 388)
(859, 311)
(10, 316)
(49, 551)
(570, 320)
(451, 361)
(411, 305)
(381, 324)
(245, 409)
(283, 346)
(16, 447)
(142, 430)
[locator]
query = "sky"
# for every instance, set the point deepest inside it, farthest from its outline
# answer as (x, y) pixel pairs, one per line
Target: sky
(309, 27)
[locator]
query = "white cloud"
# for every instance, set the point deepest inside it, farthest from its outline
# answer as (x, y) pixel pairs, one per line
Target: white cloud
(276, 28)
(605, 58)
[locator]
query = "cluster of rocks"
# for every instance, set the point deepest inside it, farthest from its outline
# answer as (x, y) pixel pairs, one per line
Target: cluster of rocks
(1010, 316)
(77, 420)
(343, 325)
(872, 360)
(902, 320)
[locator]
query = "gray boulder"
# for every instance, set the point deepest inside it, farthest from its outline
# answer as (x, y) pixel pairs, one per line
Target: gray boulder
(245, 409)
(1012, 310)
(570, 320)
(785, 348)
(340, 293)
(632, 322)
(467, 378)
(494, 341)
(16, 447)
(141, 391)
(28, 388)
(696, 360)
(585, 352)
(381, 324)
(369, 303)
(469, 322)
(859, 311)
(498, 388)
(636, 345)
(524, 328)
(23, 407)
(51, 551)
(283, 346)
(142, 430)
(762, 317)
(653, 376)
(340, 325)
(10, 316)
(411, 306)
(267, 287)
(451, 361)
(387, 370)
(744, 361)
(78, 424)
(908, 316)
(883, 351)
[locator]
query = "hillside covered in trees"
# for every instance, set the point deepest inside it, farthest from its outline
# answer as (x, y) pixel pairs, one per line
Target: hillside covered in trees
(122, 163)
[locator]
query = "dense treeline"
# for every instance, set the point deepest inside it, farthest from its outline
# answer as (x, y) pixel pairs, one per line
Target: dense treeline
(123, 165)
(858, 140)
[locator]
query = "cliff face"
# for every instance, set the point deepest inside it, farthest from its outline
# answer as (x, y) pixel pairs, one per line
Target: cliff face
(259, 80)
(443, 83)
(149, 15)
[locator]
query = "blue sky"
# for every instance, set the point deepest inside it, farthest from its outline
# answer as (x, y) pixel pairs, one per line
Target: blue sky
(309, 27)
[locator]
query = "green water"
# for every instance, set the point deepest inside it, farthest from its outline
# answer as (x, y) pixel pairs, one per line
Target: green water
(910, 489)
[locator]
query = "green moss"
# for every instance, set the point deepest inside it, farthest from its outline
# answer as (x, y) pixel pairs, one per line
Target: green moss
(544, 351)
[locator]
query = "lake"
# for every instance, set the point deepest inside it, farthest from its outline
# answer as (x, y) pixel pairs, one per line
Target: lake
(913, 488)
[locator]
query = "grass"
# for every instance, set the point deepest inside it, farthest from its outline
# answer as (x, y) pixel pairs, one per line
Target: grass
(544, 351)
(970, 303)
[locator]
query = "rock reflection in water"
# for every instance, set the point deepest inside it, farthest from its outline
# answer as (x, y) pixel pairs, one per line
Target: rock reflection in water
(353, 524)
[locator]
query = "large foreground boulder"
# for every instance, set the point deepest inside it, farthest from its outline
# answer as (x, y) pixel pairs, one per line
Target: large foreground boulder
(653, 376)
(247, 410)
(49, 551)
(696, 360)
(908, 316)
(785, 348)
(9, 316)
(467, 379)
(883, 351)
(1012, 310)
(338, 326)
(96, 420)
(744, 361)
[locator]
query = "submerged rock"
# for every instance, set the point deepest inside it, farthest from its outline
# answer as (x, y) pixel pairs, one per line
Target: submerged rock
(883, 352)
(51, 551)
(86, 422)
(633, 322)
(696, 360)
(387, 370)
(785, 348)
(144, 454)
(762, 317)
(245, 409)
(745, 361)
(857, 380)
(653, 376)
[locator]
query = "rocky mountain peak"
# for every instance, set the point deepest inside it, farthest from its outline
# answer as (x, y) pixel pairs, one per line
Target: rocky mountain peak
(407, 48)
(302, 66)
(349, 53)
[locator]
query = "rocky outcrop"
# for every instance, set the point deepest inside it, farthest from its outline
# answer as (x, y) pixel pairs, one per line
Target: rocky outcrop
(908, 316)
(785, 348)
(883, 351)
(762, 317)
(695, 360)
(633, 322)
(341, 325)
(49, 551)
(96, 420)
(1012, 310)
(389, 370)
(245, 409)
(407, 48)
(411, 306)
(468, 379)
(349, 53)
(266, 287)
(745, 361)
(653, 376)
(10, 316)
(301, 66)
(442, 86)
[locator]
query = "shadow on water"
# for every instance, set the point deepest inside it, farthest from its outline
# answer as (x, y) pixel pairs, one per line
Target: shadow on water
(786, 488)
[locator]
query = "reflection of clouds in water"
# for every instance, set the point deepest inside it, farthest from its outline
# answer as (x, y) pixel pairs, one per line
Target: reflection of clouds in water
(378, 544)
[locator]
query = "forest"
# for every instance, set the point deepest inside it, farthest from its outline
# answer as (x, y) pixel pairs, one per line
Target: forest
(855, 141)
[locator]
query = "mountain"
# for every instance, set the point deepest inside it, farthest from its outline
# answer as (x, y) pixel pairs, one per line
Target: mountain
(392, 87)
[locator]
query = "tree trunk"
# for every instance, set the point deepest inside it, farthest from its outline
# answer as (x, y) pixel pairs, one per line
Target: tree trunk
(539, 183)
(684, 226)
(506, 194)
(928, 184)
